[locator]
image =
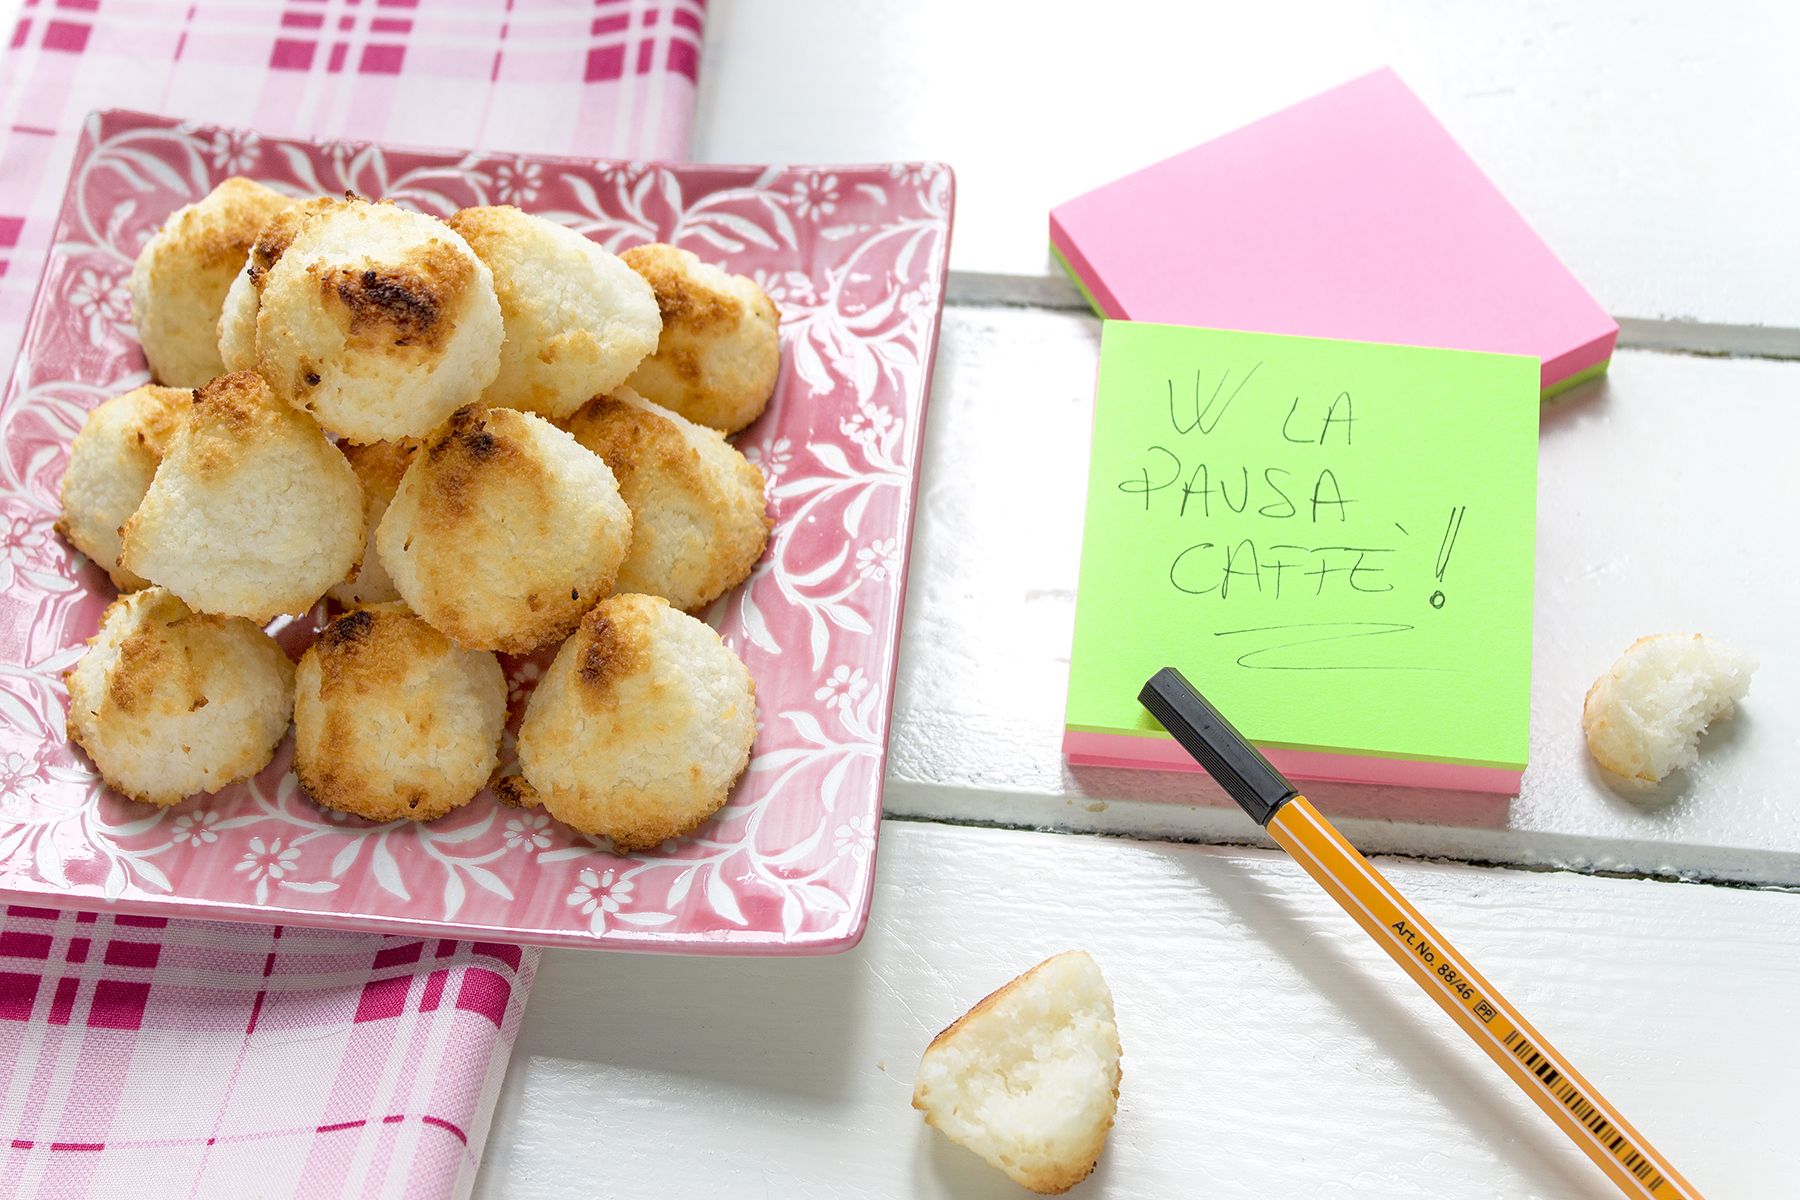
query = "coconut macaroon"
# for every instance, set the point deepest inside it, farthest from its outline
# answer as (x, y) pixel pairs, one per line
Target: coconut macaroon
(379, 467)
(720, 348)
(378, 321)
(237, 320)
(111, 463)
(1029, 1077)
(179, 282)
(640, 726)
(578, 320)
(698, 518)
(504, 530)
(252, 513)
(1644, 717)
(168, 702)
(392, 719)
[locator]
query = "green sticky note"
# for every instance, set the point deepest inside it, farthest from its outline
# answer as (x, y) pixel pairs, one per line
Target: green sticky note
(1332, 540)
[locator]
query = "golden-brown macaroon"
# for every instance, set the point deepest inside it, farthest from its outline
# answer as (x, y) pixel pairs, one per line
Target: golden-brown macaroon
(179, 282)
(378, 321)
(578, 320)
(237, 320)
(640, 726)
(698, 517)
(504, 530)
(720, 348)
(393, 720)
(111, 463)
(379, 467)
(168, 702)
(252, 513)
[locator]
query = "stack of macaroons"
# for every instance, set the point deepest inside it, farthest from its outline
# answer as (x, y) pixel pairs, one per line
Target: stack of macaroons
(426, 422)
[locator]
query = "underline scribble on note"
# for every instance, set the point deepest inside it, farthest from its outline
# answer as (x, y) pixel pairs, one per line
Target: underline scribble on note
(1324, 632)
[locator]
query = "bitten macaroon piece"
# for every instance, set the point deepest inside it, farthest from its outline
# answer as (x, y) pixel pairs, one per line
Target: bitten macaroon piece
(504, 531)
(378, 321)
(640, 726)
(720, 348)
(698, 517)
(1644, 717)
(237, 320)
(111, 463)
(379, 467)
(252, 513)
(169, 702)
(392, 719)
(578, 320)
(179, 282)
(1029, 1078)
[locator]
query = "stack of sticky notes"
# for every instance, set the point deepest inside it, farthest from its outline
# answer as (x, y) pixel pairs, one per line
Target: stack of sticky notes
(1314, 466)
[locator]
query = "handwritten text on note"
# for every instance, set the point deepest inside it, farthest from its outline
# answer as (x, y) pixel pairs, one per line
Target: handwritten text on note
(1359, 513)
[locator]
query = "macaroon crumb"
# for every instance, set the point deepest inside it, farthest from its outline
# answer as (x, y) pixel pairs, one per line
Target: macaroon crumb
(1029, 1078)
(1644, 717)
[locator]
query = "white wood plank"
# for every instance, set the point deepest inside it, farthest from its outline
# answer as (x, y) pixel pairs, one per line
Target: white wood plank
(1643, 142)
(1270, 1048)
(1665, 503)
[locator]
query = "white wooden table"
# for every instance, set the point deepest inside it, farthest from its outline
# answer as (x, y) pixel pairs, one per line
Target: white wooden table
(1644, 147)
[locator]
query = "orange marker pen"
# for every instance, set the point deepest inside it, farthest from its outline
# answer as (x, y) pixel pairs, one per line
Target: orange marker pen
(1423, 953)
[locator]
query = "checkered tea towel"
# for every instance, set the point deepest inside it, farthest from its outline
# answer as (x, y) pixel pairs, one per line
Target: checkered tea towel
(155, 1058)
(143, 1057)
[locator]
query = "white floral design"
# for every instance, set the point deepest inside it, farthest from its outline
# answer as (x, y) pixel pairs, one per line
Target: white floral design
(530, 830)
(770, 459)
(844, 688)
(868, 425)
(101, 301)
(599, 894)
(518, 183)
(16, 773)
(23, 535)
(855, 837)
(788, 289)
(198, 829)
(235, 151)
(27, 549)
(266, 863)
(815, 196)
(623, 174)
(910, 174)
(878, 559)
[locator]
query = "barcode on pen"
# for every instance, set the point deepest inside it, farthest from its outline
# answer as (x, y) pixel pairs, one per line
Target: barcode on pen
(1583, 1110)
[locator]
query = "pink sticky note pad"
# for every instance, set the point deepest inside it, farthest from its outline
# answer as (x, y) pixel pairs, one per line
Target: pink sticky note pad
(1351, 215)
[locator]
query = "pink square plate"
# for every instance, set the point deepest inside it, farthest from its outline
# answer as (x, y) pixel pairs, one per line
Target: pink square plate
(855, 258)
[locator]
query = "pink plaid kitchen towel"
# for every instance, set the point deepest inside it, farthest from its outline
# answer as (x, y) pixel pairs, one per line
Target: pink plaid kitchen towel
(610, 78)
(143, 1057)
(179, 1058)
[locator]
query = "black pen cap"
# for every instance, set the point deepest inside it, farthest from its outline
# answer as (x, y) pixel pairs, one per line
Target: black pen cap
(1216, 745)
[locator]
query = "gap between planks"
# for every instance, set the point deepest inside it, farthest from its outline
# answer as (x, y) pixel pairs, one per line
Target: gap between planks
(1592, 870)
(971, 289)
